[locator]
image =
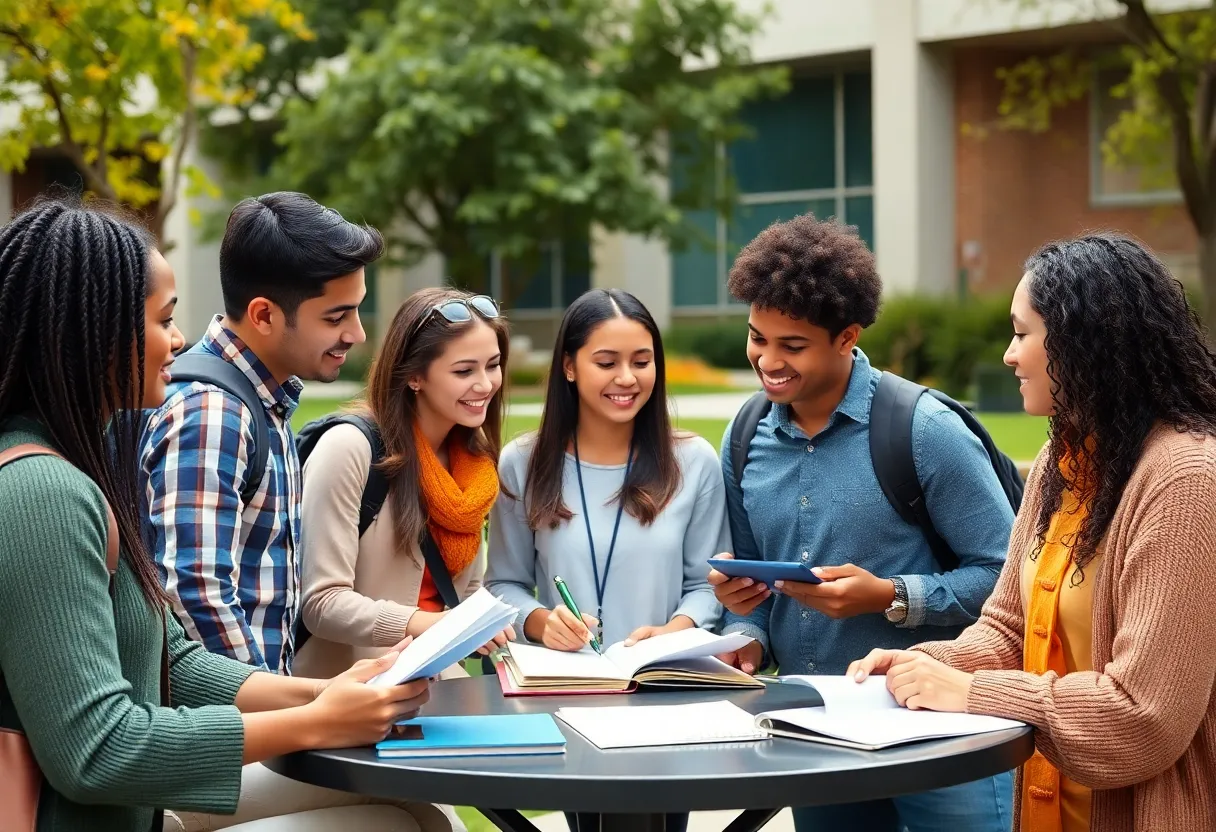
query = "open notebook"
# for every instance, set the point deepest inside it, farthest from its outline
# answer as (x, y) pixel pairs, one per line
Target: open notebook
(680, 659)
(866, 716)
(452, 638)
(654, 725)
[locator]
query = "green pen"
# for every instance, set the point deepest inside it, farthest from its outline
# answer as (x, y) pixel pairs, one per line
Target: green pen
(573, 607)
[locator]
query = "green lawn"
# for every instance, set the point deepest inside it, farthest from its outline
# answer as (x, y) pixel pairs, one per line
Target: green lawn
(476, 822)
(1016, 434)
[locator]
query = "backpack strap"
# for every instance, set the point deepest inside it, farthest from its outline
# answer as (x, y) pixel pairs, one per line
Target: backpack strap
(439, 570)
(206, 368)
(29, 449)
(744, 430)
(891, 415)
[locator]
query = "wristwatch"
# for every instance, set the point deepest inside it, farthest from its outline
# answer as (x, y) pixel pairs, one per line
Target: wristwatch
(897, 613)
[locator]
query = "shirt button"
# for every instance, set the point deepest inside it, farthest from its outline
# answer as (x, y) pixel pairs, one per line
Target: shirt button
(810, 449)
(805, 501)
(810, 666)
(1040, 631)
(805, 614)
(1047, 585)
(806, 555)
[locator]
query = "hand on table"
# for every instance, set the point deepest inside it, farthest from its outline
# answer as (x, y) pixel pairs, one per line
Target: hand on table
(739, 595)
(846, 591)
(917, 680)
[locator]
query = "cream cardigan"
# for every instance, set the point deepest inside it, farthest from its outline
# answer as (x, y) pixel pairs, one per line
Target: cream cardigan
(359, 593)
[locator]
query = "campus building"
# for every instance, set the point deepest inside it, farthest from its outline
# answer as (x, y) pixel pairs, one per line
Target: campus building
(885, 126)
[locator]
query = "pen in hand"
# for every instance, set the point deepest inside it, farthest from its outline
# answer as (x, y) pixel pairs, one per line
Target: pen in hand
(568, 600)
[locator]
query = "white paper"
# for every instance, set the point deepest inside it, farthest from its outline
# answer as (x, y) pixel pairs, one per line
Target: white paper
(651, 725)
(867, 714)
(537, 662)
(693, 643)
(453, 637)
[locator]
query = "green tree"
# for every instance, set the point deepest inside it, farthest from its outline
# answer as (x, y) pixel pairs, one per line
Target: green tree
(1168, 129)
(463, 128)
(115, 85)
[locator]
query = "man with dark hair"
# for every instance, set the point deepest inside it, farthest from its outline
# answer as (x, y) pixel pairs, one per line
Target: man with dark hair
(808, 493)
(225, 529)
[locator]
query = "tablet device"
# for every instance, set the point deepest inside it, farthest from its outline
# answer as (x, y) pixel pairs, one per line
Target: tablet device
(765, 571)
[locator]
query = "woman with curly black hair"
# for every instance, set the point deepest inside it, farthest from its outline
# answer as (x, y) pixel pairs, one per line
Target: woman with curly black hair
(1100, 631)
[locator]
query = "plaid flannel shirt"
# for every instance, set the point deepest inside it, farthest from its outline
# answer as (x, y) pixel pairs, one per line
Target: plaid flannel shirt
(230, 568)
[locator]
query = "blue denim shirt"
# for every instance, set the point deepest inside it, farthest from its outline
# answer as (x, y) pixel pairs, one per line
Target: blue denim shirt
(817, 500)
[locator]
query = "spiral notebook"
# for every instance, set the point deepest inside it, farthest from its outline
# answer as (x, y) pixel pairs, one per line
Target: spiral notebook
(654, 725)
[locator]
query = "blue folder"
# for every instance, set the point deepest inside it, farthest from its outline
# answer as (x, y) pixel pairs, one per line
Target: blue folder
(477, 736)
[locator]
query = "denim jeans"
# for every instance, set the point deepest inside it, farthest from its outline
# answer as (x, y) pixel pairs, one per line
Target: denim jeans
(980, 806)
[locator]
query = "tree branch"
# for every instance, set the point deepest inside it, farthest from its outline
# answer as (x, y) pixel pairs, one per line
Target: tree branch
(67, 143)
(411, 213)
(168, 191)
(1196, 188)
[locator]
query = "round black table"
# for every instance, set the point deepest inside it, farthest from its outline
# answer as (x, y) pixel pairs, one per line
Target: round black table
(632, 789)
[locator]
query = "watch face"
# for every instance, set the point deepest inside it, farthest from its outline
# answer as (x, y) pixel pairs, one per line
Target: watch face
(896, 613)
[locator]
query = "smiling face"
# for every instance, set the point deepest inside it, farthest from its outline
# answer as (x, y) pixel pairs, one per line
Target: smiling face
(1027, 353)
(459, 384)
(614, 372)
(313, 346)
(162, 338)
(796, 360)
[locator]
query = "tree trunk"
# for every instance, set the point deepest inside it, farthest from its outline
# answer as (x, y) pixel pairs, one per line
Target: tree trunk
(1207, 279)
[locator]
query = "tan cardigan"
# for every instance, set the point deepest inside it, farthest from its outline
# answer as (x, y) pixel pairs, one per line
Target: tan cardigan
(359, 593)
(1141, 729)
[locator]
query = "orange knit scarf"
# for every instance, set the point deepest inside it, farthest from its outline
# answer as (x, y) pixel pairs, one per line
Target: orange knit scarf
(1043, 650)
(457, 503)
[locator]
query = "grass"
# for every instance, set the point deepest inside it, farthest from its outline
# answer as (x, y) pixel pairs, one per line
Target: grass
(1018, 435)
(476, 822)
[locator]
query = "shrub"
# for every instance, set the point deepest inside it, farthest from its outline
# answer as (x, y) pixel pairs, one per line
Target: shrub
(719, 343)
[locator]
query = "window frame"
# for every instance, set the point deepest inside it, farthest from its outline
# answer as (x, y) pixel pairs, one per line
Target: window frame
(839, 194)
(1097, 197)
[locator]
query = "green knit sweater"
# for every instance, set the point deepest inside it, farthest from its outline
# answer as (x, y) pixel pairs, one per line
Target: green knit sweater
(81, 674)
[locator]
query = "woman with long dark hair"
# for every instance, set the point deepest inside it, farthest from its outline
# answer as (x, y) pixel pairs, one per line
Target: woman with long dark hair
(1100, 631)
(103, 700)
(606, 494)
(434, 402)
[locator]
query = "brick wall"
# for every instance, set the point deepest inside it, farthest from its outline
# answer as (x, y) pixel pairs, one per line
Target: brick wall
(1016, 190)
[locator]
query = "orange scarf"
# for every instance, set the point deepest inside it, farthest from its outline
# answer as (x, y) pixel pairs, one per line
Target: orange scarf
(457, 503)
(1043, 651)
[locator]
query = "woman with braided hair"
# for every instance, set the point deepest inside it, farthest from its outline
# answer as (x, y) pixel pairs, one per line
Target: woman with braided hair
(1100, 631)
(104, 703)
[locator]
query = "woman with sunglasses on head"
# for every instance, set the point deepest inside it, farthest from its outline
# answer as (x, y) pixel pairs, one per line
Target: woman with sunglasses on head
(607, 495)
(434, 409)
(1100, 631)
(106, 708)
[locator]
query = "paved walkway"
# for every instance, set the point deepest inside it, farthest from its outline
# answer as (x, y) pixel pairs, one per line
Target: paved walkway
(699, 822)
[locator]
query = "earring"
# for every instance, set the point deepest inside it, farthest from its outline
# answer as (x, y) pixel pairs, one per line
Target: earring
(414, 387)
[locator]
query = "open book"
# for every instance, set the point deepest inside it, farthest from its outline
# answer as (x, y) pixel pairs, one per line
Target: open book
(680, 659)
(452, 638)
(866, 716)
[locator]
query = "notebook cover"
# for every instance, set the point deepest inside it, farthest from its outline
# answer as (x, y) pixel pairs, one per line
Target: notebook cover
(509, 688)
(505, 731)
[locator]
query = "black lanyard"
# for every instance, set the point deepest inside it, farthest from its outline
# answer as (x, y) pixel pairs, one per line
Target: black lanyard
(600, 588)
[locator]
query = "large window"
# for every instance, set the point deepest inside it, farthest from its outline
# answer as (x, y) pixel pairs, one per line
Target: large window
(811, 151)
(544, 282)
(1125, 183)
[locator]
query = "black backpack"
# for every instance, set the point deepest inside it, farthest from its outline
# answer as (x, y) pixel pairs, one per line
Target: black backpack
(891, 450)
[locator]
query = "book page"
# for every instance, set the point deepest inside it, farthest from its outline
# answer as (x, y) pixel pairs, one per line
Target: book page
(536, 662)
(647, 725)
(457, 634)
(843, 692)
(693, 643)
(879, 728)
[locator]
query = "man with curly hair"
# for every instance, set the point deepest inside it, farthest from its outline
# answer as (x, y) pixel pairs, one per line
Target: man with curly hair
(810, 495)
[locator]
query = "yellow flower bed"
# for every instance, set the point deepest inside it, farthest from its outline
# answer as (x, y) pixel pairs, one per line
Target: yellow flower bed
(687, 370)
